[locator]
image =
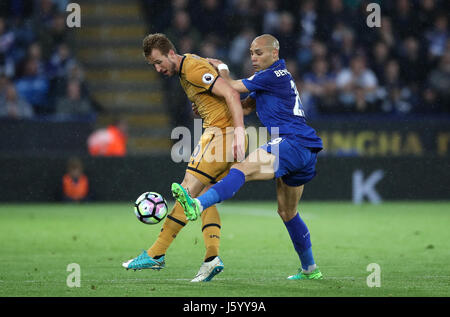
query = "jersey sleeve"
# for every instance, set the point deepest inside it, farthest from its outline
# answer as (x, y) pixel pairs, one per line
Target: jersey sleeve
(259, 81)
(201, 75)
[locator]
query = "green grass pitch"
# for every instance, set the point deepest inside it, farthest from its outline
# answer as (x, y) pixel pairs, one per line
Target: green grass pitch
(410, 241)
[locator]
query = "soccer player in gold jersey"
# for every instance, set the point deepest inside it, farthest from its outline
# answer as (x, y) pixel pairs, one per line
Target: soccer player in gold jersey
(221, 145)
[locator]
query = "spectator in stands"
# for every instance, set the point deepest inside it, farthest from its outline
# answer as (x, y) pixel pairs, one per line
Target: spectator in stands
(247, 68)
(439, 81)
(333, 30)
(34, 52)
(404, 17)
(157, 13)
(239, 48)
(308, 20)
(365, 36)
(3, 83)
(110, 141)
(182, 28)
(208, 48)
(211, 18)
(4, 8)
(180, 5)
(292, 67)
(426, 14)
(319, 88)
(57, 69)
(429, 102)
(60, 62)
(75, 72)
(61, 5)
(395, 96)
(13, 106)
(75, 184)
(54, 34)
(24, 33)
(344, 43)
(271, 16)
(34, 88)
(437, 37)
(7, 66)
(7, 40)
(307, 54)
(318, 50)
(43, 13)
(413, 63)
(357, 79)
(380, 55)
(287, 35)
(186, 45)
(332, 13)
(242, 14)
(385, 32)
(73, 104)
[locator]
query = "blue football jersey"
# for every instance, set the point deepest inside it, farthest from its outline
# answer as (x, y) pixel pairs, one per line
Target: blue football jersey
(278, 104)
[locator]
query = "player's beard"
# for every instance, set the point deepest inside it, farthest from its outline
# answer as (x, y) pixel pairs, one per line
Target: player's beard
(172, 68)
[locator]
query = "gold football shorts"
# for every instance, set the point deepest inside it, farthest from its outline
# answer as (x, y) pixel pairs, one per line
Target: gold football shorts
(212, 158)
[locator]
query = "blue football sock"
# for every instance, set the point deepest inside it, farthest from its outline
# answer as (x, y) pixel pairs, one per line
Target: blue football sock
(299, 233)
(209, 198)
(224, 189)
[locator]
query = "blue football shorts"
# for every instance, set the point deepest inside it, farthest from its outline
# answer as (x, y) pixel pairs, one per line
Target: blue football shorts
(294, 163)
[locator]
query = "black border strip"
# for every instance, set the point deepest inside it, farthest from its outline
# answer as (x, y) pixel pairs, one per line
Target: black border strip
(211, 225)
(202, 173)
(176, 220)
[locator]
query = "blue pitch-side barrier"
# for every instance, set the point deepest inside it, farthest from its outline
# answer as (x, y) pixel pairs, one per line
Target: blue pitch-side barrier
(346, 178)
(364, 159)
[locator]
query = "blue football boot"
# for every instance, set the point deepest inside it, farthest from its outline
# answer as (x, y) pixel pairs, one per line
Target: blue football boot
(144, 261)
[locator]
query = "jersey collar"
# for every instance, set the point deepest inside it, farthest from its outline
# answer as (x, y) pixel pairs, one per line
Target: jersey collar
(181, 65)
(278, 63)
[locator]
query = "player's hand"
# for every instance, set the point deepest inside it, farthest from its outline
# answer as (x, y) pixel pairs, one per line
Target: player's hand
(239, 144)
(195, 109)
(215, 62)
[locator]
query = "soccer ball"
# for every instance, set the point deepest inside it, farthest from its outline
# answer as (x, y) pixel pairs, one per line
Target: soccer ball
(150, 208)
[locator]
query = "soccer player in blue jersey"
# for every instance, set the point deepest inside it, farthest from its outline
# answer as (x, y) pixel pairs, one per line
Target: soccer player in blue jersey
(290, 157)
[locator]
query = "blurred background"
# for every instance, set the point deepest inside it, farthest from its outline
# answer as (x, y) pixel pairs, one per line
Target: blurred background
(84, 118)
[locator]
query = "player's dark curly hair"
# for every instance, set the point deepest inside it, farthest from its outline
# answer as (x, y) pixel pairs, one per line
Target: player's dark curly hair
(157, 41)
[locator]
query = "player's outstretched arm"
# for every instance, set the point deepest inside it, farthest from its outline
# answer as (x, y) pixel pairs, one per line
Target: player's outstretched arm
(222, 89)
(225, 74)
(248, 105)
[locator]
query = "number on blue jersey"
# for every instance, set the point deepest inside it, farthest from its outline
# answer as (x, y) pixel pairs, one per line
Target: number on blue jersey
(298, 111)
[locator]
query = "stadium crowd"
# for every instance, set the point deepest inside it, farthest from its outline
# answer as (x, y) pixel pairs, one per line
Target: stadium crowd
(39, 75)
(340, 64)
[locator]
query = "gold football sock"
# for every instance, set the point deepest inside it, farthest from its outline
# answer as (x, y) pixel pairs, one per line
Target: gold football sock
(174, 222)
(211, 231)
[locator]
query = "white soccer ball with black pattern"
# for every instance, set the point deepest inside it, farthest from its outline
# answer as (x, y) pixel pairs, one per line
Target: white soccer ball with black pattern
(150, 208)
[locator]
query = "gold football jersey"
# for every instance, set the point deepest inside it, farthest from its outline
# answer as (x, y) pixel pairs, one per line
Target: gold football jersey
(197, 78)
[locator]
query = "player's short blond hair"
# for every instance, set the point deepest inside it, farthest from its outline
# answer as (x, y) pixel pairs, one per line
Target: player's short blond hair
(270, 41)
(157, 41)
